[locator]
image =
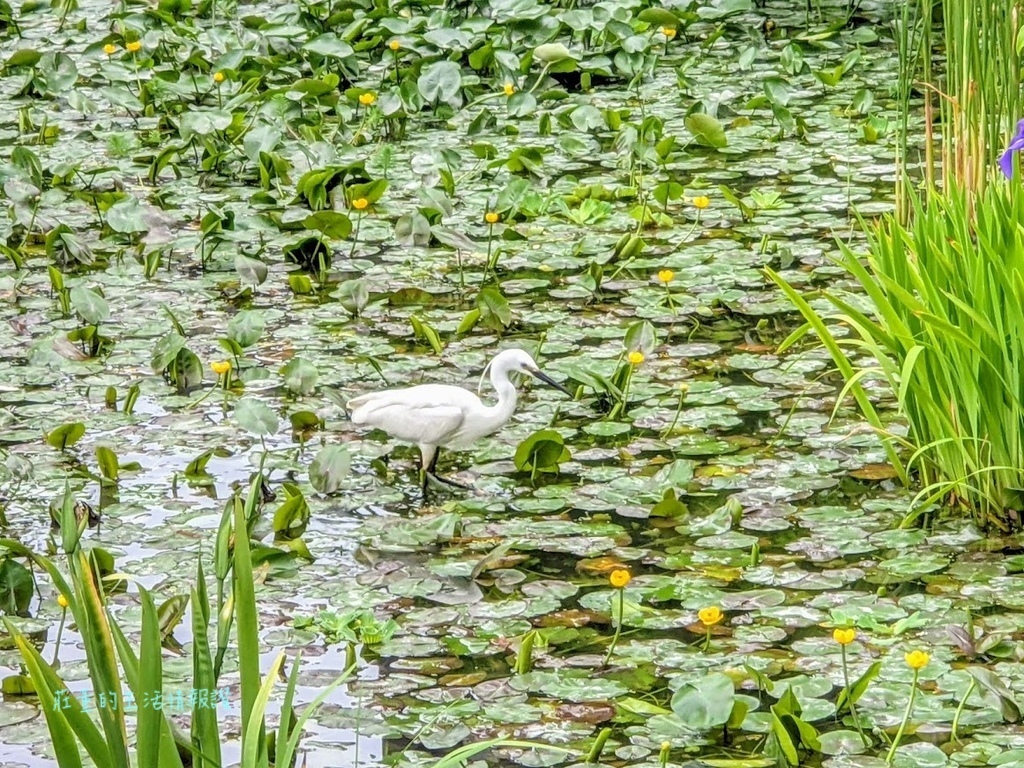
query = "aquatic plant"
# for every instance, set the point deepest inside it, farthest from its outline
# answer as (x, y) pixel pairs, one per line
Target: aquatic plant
(983, 98)
(944, 334)
(916, 660)
(109, 652)
(619, 579)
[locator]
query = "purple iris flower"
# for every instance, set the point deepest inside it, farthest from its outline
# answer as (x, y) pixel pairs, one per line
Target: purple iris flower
(1016, 145)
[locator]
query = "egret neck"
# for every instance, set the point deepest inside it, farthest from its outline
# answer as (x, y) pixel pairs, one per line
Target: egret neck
(498, 414)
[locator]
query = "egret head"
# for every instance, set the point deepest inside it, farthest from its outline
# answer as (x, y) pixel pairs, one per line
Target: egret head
(518, 361)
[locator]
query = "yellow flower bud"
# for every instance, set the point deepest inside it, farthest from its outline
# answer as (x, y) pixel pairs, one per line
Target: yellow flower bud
(844, 636)
(635, 358)
(491, 217)
(917, 659)
(360, 203)
(218, 77)
(620, 578)
(394, 45)
(62, 601)
(668, 32)
(710, 616)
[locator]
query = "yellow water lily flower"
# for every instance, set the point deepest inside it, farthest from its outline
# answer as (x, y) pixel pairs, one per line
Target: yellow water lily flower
(700, 202)
(666, 275)
(635, 358)
(110, 49)
(360, 203)
(218, 77)
(509, 89)
(134, 46)
(710, 616)
(917, 659)
(620, 578)
(668, 32)
(220, 367)
(62, 601)
(394, 45)
(491, 217)
(844, 636)
(366, 99)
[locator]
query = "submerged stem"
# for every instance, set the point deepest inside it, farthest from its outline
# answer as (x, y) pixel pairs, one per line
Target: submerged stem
(618, 627)
(849, 698)
(906, 718)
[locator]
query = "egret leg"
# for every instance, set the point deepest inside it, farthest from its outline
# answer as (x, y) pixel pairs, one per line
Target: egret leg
(428, 459)
(432, 472)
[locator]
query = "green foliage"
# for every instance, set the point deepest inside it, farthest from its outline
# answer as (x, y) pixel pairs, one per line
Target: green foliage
(945, 334)
(329, 468)
(981, 83)
(541, 452)
(66, 435)
(158, 741)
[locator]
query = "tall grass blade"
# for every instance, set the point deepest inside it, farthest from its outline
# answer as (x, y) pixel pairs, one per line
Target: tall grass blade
(99, 649)
(286, 747)
(205, 731)
(222, 568)
(845, 368)
(254, 745)
(149, 719)
(61, 733)
(172, 742)
(247, 629)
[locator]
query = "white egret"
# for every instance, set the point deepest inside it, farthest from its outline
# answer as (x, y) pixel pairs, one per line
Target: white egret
(435, 416)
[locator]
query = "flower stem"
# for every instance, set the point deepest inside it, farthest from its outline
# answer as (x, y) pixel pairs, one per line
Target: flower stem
(618, 627)
(696, 223)
(355, 236)
(60, 631)
(959, 711)
(906, 718)
(849, 698)
(625, 389)
(679, 411)
(490, 238)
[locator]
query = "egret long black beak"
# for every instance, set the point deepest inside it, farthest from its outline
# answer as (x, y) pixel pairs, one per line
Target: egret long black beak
(551, 382)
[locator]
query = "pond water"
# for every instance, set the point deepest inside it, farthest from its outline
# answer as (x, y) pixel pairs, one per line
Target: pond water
(724, 479)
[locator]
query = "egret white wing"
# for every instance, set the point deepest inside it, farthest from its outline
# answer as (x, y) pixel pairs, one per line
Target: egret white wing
(428, 414)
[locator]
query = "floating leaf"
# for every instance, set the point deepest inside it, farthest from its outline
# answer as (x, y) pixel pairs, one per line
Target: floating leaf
(16, 587)
(246, 327)
(440, 81)
(66, 435)
(705, 703)
(250, 271)
(107, 461)
(256, 417)
(706, 130)
(542, 451)
(300, 376)
(329, 468)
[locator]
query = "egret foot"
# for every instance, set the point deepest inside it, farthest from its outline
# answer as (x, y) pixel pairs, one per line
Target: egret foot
(452, 483)
(427, 477)
(429, 472)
